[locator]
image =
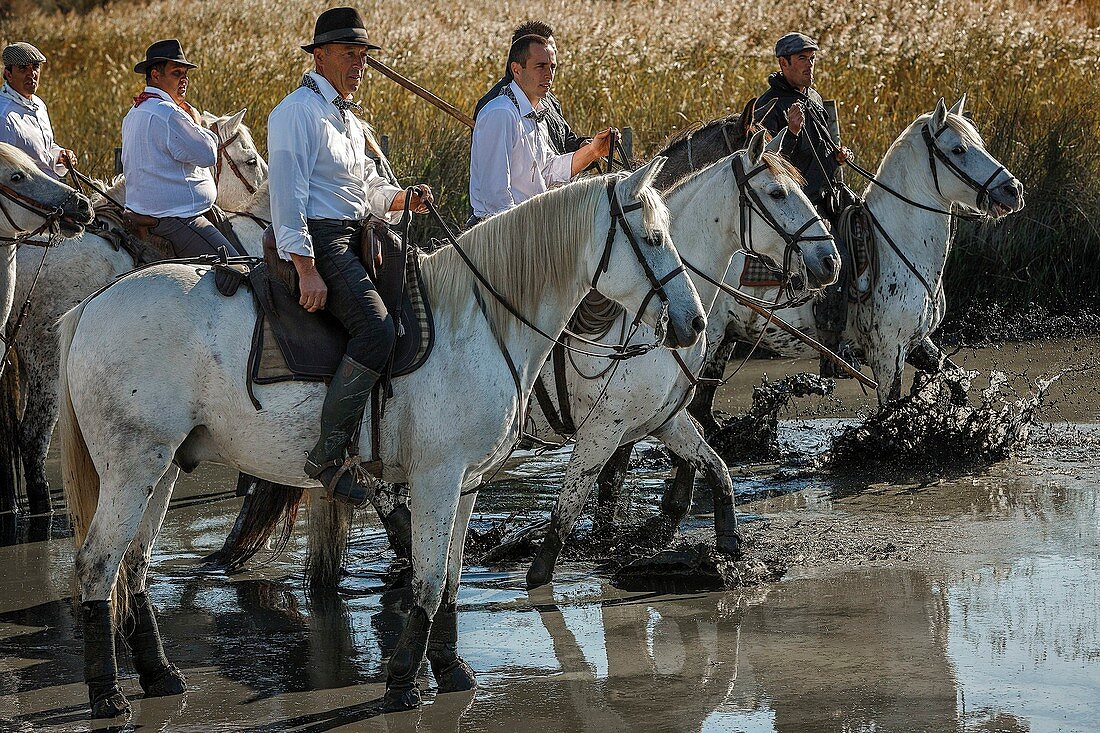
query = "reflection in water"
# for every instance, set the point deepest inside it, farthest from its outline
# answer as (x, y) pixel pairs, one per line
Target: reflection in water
(1002, 633)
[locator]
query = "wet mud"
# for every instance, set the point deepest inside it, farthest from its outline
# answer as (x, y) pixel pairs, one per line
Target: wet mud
(962, 599)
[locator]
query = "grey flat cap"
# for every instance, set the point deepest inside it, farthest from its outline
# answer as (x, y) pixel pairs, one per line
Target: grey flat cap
(20, 54)
(794, 43)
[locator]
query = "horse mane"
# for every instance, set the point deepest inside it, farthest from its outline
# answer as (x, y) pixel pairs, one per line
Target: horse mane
(681, 136)
(14, 156)
(111, 187)
(549, 224)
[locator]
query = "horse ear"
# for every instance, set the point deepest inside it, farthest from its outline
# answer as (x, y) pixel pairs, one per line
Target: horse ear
(208, 118)
(959, 107)
(630, 188)
(756, 147)
(776, 143)
(233, 123)
(939, 117)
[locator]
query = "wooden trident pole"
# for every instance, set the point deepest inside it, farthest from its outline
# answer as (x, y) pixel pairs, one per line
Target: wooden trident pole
(421, 92)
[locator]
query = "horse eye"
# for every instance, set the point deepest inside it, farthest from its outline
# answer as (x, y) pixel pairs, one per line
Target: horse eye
(958, 150)
(17, 176)
(253, 161)
(777, 194)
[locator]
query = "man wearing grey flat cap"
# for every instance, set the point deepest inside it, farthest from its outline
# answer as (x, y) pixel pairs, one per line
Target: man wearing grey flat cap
(24, 121)
(813, 147)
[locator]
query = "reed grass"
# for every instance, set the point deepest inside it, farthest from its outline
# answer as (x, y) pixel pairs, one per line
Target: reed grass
(1029, 68)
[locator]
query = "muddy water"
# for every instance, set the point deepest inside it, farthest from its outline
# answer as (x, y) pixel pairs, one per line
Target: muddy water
(955, 602)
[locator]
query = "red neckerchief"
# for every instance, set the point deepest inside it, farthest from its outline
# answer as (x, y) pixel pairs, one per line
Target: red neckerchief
(145, 96)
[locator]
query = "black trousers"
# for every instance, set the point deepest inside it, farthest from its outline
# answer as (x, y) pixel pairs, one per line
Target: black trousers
(352, 295)
(831, 308)
(193, 236)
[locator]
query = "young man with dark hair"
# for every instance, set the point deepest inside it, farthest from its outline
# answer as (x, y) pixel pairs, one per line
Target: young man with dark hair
(24, 121)
(511, 157)
(561, 136)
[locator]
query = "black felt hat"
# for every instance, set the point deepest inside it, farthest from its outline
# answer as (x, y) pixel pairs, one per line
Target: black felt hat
(340, 25)
(168, 50)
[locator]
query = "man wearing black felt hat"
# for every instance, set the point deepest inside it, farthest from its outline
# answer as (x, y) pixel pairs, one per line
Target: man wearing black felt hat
(167, 155)
(327, 178)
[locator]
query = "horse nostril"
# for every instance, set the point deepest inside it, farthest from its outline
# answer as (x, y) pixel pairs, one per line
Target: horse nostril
(699, 324)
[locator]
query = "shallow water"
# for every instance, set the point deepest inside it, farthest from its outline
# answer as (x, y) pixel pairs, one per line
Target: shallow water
(988, 619)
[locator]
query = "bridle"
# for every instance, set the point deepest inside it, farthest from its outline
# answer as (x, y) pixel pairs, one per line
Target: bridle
(51, 217)
(749, 201)
(934, 154)
(225, 156)
(619, 220)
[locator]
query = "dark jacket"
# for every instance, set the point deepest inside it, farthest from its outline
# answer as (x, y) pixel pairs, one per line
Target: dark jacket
(813, 139)
(562, 138)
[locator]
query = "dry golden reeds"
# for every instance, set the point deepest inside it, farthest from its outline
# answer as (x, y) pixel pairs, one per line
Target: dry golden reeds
(1029, 68)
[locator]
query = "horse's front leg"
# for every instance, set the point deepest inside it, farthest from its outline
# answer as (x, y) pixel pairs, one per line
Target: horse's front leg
(595, 444)
(158, 676)
(684, 438)
(888, 363)
(435, 499)
(450, 670)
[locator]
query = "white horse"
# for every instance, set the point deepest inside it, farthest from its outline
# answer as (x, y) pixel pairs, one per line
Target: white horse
(645, 396)
(153, 379)
(84, 265)
(939, 161)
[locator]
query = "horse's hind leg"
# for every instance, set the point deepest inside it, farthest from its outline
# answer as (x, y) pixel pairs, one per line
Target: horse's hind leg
(435, 499)
(609, 489)
(157, 675)
(595, 443)
(683, 437)
(450, 671)
(124, 494)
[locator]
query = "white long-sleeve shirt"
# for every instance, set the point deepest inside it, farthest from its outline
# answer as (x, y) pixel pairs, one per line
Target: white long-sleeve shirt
(25, 124)
(511, 159)
(319, 168)
(166, 158)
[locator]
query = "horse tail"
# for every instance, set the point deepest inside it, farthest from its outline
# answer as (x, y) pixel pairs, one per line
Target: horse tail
(269, 511)
(79, 473)
(329, 525)
(10, 443)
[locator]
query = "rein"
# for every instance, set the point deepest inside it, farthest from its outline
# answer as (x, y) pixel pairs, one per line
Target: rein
(618, 215)
(224, 156)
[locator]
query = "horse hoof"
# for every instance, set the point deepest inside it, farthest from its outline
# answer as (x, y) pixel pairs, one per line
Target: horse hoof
(538, 574)
(111, 705)
(455, 677)
(169, 681)
(729, 545)
(398, 699)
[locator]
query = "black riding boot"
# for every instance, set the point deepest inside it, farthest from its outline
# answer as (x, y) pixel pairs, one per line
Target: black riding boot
(343, 410)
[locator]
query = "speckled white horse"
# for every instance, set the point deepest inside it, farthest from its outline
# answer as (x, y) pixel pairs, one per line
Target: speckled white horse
(153, 377)
(906, 300)
(89, 262)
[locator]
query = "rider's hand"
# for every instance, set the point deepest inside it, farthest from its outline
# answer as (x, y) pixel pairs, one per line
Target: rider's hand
(310, 283)
(421, 197)
(843, 155)
(601, 143)
(67, 157)
(796, 116)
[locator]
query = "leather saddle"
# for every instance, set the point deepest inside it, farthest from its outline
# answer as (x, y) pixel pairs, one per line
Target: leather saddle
(290, 343)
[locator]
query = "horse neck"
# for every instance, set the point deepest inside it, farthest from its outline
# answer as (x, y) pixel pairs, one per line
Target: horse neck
(704, 226)
(451, 287)
(259, 204)
(924, 236)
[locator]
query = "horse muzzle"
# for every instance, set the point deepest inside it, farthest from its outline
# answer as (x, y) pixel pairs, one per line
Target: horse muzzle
(685, 333)
(1008, 198)
(822, 272)
(75, 216)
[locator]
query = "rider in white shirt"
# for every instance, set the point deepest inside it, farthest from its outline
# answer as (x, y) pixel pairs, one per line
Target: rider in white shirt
(511, 158)
(24, 121)
(167, 155)
(324, 183)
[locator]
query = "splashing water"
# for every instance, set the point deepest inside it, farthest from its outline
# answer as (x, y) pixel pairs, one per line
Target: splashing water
(937, 422)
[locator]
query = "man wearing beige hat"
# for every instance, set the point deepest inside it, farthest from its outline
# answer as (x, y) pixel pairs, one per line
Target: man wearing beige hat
(24, 121)
(167, 155)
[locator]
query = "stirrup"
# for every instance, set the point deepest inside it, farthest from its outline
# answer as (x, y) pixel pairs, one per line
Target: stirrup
(360, 470)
